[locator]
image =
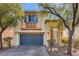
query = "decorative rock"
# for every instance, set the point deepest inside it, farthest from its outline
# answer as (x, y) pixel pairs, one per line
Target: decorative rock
(54, 49)
(73, 50)
(49, 49)
(65, 51)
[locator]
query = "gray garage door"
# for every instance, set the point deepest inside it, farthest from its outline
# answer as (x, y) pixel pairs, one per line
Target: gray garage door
(31, 39)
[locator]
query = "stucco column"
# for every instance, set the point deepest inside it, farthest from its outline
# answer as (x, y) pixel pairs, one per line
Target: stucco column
(17, 39)
(45, 43)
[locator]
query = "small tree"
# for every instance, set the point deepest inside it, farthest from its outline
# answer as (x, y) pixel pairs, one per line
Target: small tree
(69, 14)
(10, 14)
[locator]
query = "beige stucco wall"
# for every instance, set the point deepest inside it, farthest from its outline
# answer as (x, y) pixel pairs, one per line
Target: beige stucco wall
(43, 26)
(65, 33)
(75, 36)
(8, 33)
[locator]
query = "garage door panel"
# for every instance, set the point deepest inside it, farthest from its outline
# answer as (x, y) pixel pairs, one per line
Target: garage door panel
(31, 39)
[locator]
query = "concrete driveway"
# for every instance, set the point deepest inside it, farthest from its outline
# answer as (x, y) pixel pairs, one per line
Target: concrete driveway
(25, 51)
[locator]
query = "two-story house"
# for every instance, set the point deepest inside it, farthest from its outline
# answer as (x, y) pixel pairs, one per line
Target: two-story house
(31, 31)
(35, 30)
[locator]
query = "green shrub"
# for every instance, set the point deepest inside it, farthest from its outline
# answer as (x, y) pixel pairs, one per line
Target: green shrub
(65, 41)
(51, 42)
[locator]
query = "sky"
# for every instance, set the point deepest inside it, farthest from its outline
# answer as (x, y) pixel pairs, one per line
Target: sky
(34, 7)
(30, 6)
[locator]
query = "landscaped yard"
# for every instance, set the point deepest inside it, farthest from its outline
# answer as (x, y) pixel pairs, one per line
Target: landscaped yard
(62, 51)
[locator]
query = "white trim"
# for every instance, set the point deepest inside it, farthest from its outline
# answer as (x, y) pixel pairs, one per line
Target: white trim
(17, 40)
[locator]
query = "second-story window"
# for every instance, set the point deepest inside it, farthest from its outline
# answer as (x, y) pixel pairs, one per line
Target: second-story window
(31, 19)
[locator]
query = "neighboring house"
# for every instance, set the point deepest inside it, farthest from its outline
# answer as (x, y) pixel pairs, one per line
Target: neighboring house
(36, 29)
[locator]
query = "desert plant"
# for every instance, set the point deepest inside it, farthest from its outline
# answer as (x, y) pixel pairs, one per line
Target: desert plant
(51, 42)
(65, 41)
(75, 43)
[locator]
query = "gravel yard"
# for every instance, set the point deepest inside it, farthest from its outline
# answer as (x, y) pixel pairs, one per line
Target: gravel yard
(62, 51)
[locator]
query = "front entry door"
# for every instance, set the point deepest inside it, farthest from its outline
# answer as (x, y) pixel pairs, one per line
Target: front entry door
(54, 36)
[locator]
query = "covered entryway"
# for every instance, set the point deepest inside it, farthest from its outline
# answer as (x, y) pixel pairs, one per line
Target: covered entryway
(31, 39)
(54, 31)
(55, 35)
